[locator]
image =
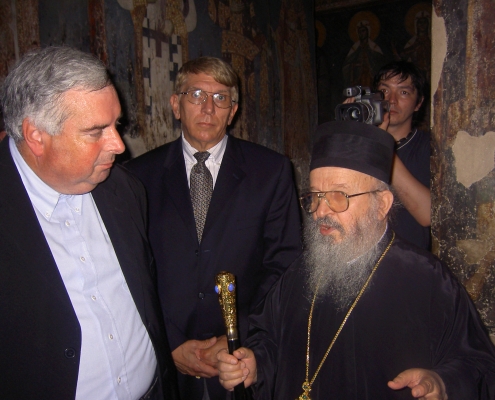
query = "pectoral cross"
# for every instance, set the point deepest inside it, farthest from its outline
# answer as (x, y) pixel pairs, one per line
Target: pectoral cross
(307, 388)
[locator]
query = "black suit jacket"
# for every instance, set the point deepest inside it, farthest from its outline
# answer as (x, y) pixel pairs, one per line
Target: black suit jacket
(252, 230)
(40, 336)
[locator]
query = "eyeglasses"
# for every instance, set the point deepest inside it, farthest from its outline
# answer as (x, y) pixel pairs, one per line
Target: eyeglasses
(337, 201)
(198, 96)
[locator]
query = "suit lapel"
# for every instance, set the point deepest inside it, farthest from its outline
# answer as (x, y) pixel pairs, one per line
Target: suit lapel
(16, 211)
(175, 182)
(110, 208)
(230, 176)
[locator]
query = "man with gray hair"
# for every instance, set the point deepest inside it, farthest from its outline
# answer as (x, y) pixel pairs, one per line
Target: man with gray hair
(79, 313)
(362, 314)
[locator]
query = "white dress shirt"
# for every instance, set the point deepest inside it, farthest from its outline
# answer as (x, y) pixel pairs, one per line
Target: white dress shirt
(213, 162)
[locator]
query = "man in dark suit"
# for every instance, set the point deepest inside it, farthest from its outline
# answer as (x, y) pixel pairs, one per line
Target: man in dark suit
(250, 227)
(79, 311)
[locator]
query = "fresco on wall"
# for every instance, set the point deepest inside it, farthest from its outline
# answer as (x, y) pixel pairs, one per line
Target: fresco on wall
(365, 57)
(354, 42)
(269, 47)
(463, 143)
(145, 42)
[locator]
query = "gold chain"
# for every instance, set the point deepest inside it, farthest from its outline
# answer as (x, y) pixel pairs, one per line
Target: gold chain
(306, 386)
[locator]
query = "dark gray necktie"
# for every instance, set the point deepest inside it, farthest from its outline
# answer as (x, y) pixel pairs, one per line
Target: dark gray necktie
(201, 189)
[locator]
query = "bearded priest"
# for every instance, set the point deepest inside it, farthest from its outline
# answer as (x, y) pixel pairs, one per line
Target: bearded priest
(361, 314)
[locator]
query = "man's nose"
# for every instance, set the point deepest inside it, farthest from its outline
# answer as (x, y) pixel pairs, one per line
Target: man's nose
(323, 209)
(208, 106)
(114, 143)
(392, 97)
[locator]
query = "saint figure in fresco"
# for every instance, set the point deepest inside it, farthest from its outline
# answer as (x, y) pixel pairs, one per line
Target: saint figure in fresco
(365, 57)
(418, 48)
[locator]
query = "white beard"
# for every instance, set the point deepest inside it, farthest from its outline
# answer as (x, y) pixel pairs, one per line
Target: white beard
(340, 269)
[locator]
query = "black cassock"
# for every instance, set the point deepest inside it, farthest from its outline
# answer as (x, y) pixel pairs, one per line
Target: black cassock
(414, 314)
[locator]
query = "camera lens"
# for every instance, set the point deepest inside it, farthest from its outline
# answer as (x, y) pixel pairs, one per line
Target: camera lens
(357, 112)
(354, 114)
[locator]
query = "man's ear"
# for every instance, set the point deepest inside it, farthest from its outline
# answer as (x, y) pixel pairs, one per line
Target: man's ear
(174, 102)
(386, 201)
(33, 137)
(233, 110)
(418, 106)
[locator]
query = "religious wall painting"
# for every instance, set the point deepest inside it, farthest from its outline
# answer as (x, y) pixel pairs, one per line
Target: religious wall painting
(238, 48)
(365, 56)
(418, 48)
(165, 31)
(268, 47)
(463, 142)
(9, 50)
(354, 43)
(145, 42)
(160, 32)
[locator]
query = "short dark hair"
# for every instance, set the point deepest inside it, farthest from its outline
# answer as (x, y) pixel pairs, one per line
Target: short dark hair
(404, 70)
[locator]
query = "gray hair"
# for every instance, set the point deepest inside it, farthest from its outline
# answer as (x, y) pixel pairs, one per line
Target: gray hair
(218, 69)
(36, 86)
(381, 186)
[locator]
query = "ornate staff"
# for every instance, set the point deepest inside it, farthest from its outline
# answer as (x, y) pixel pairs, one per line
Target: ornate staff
(225, 287)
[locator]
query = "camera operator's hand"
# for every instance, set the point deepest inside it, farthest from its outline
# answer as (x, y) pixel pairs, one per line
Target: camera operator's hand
(386, 121)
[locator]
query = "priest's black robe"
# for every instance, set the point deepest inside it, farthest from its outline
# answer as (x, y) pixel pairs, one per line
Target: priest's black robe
(414, 314)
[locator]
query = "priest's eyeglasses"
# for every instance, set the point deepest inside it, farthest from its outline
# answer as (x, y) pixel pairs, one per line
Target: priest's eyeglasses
(198, 96)
(337, 201)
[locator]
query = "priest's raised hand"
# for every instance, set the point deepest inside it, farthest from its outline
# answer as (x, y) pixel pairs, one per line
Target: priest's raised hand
(424, 384)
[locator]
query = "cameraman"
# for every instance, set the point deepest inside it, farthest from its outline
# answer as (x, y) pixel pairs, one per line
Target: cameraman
(403, 86)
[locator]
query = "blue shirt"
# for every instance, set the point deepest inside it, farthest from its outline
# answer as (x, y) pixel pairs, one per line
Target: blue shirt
(117, 356)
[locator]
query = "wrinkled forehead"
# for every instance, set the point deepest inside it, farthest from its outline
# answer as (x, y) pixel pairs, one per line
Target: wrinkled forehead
(337, 178)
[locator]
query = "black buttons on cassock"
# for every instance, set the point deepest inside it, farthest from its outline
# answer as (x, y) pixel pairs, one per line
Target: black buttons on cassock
(196, 252)
(70, 352)
(201, 295)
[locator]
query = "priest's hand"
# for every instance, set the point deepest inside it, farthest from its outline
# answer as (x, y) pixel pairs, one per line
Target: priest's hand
(236, 368)
(187, 358)
(424, 384)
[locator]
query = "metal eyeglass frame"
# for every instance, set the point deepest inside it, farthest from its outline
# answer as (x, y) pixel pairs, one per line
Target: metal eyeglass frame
(232, 101)
(322, 195)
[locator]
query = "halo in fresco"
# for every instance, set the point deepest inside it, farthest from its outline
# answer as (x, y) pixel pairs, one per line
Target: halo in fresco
(321, 32)
(371, 21)
(418, 10)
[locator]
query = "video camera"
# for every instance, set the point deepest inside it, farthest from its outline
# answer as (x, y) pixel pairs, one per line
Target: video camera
(369, 107)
